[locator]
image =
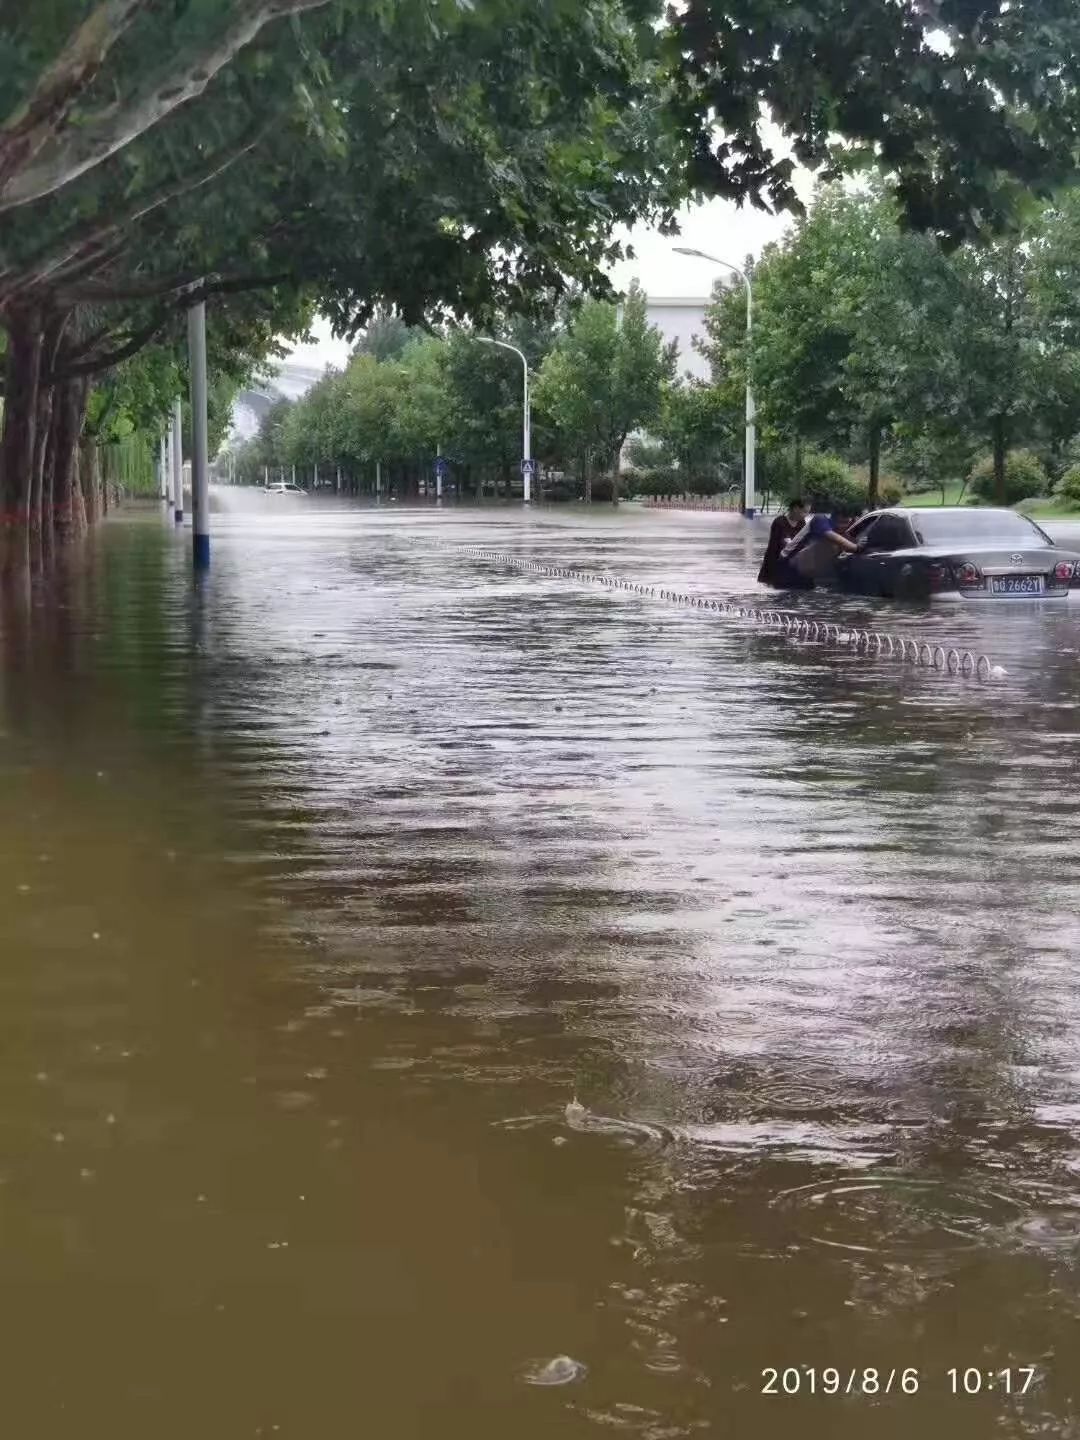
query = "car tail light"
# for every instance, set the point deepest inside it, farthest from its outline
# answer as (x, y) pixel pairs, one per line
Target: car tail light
(1064, 571)
(939, 576)
(968, 575)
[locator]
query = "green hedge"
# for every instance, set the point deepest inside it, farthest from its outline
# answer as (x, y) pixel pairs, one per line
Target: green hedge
(891, 491)
(1069, 485)
(1024, 478)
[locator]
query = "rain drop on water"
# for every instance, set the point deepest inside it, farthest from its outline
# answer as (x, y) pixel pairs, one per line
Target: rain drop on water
(561, 1370)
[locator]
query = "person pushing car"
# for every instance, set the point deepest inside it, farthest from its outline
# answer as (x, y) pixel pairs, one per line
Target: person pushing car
(811, 554)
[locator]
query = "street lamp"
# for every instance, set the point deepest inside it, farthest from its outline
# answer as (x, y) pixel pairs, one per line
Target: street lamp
(749, 497)
(526, 430)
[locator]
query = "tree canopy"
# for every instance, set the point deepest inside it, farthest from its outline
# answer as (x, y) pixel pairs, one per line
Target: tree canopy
(869, 336)
(599, 372)
(958, 102)
(438, 159)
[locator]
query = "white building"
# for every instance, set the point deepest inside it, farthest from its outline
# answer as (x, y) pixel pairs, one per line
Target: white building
(682, 318)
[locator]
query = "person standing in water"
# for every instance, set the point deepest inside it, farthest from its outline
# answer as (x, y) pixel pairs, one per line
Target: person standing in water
(775, 570)
(812, 554)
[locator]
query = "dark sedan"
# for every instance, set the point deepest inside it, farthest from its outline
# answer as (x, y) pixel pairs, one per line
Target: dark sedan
(956, 553)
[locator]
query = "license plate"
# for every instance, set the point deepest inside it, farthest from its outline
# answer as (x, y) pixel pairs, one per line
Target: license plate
(1016, 585)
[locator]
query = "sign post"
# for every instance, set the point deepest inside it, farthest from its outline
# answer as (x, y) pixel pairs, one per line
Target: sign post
(528, 471)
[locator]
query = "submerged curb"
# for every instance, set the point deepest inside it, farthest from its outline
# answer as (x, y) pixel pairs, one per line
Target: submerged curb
(902, 648)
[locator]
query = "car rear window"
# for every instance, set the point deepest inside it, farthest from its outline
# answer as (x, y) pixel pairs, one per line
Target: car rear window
(977, 527)
(889, 532)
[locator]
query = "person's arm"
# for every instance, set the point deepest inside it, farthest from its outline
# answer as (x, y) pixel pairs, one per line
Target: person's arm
(796, 540)
(842, 542)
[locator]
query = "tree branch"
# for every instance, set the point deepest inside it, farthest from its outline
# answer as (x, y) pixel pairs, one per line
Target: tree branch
(188, 289)
(191, 292)
(240, 284)
(91, 263)
(107, 293)
(24, 134)
(80, 149)
(134, 343)
(88, 342)
(78, 243)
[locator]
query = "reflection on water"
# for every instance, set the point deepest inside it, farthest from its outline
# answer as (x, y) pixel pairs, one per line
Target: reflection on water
(445, 1000)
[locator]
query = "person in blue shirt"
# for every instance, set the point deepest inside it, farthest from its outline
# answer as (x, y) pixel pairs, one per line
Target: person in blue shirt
(812, 553)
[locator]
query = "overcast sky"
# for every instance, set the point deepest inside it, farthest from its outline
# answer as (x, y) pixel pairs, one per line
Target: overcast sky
(718, 227)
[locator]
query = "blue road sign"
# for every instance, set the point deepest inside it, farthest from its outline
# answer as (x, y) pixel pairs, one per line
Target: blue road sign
(528, 467)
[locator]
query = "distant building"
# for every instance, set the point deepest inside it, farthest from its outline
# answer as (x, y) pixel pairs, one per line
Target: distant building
(289, 382)
(293, 380)
(682, 318)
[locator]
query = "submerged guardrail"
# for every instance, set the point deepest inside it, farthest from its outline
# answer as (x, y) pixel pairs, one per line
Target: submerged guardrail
(946, 660)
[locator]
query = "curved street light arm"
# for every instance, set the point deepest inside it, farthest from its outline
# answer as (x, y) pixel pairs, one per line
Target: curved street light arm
(526, 430)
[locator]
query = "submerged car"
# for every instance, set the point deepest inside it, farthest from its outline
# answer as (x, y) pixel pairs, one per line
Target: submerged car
(284, 488)
(959, 553)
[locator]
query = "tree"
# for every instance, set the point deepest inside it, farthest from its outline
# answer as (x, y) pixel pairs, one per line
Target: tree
(423, 411)
(382, 175)
(699, 431)
(956, 101)
(450, 159)
(855, 329)
(385, 336)
(59, 128)
(932, 454)
(604, 378)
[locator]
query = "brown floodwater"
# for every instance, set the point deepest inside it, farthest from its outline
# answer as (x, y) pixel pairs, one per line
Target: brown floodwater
(441, 1000)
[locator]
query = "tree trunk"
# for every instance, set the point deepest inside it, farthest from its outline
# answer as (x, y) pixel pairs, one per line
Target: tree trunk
(797, 488)
(1000, 445)
(40, 514)
(875, 466)
(39, 519)
(48, 474)
(17, 450)
(70, 405)
(90, 480)
(587, 471)
(78, 500)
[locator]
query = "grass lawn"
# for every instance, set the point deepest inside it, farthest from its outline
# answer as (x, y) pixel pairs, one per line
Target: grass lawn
(1048, 508)
(933, 497)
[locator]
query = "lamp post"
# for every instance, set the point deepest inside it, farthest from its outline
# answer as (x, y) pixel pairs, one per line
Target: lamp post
(526, 429)
(749, 497)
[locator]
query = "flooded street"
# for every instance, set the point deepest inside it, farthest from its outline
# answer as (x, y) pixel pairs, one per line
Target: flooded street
(441, 1000)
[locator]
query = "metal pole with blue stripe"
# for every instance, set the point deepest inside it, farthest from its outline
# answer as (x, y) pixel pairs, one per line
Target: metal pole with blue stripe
(200, 465)
(176, 452)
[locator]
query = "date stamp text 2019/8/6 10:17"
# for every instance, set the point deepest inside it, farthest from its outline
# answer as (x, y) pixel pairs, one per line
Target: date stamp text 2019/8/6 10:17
(896, 1380)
